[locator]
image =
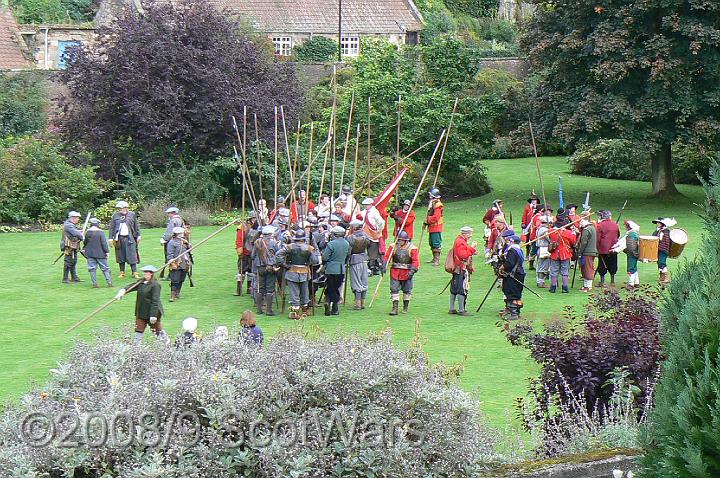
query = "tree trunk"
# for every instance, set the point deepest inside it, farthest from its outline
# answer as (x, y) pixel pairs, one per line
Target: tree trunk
(662, 175)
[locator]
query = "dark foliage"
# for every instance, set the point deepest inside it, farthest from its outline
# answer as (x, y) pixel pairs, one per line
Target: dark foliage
(683, 437)
(173, 76)
(476, 8)
(583, 350)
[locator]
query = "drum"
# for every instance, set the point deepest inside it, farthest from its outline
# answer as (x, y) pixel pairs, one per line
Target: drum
(649, 248)
(678, 239)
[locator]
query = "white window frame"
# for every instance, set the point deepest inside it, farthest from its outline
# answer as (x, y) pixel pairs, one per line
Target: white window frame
(350, 45)
(283, 45)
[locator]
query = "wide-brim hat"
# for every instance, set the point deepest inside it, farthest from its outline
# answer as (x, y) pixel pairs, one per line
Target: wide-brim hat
(570, 206)
(178, 230)
(94, 221)
(171, 210)
(466, 229)
(632, 225)
(190, 324)
(121, 204)
(338, 231)
(149, 268)
(74, 214)
(367, 202)
(508, 233)
(533, 197)
(665, 221)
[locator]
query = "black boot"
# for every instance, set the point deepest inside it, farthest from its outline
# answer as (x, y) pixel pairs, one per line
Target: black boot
(406, 305)
(327, 309)
(394, 310)
(260, 303)
(268, 304)
(238, 288)
(335, 309)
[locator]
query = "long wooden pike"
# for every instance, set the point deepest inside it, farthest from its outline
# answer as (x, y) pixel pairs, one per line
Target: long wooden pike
(347, 141)
(310, 159)
(367, 176)
(397, 157)
(287, 149)
(296, 160)
(355, 170)
(334, 141)
(412, 203)
(257, 150)
(537, 164)
(447, 137)
(137, 283)
(275, 193)
(401, 161)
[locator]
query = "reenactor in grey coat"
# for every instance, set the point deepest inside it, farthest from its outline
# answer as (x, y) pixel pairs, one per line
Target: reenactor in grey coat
(359, 242)
(174, 220)
(266, 270)
(97, 252)
(177, 250)
(335, 257)
(70, 245)
(125, 237)
(298, 258)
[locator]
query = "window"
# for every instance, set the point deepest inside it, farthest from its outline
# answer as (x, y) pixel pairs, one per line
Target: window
(283, 46)
(63, 47)
(411, 38)
(350, 45)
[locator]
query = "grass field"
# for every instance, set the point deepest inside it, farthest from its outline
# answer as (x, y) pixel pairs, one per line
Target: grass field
(36, 308)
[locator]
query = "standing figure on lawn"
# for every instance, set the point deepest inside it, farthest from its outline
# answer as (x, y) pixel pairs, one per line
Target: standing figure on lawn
(298, 258)
(608, 233)
(663, 233)
(70, 246)
(97, 252)
(400, 216)
(435, 221)
(265, 270)
(490, 215)
(245, 235)
(587, 251)
(462, 268)
(125, 237)
(542, 273)
(177, 251)
(335, 257)
(148, 308)
(301, 207)
(562, 241)
(404, 262)
(174, 220)
(527, 218)
(373, 225)
(359, 242)
(632, 249)
(513, 273)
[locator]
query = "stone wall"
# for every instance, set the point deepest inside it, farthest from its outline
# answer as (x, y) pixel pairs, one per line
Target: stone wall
(602, 468)
(43, 41)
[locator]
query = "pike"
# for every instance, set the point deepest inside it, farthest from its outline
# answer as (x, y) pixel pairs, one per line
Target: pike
(403, 159)
(257, 150)
(367, 176)
(287, 149)
(347, 140)
(310, 159)
(275, 192)
(412, 203)
(621, 212)
(355, 170)
(537, 164)
(447, 137)
(137, 283)
(397, 157)
(334, 142)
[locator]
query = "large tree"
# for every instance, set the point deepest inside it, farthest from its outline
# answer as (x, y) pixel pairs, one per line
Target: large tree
(646, 70)
(173, 77)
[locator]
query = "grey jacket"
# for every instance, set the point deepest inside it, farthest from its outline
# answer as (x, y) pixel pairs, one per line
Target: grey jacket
(96, 245)
(175, 221)
(335, 256)
(587, 246)
(72, 232)
(132, 223)
(175, 248)
(267, 257)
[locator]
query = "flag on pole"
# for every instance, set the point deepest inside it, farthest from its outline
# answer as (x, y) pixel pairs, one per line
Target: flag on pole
(381, 203)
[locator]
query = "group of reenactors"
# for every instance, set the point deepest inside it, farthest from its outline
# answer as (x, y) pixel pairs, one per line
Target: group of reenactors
(302, 252)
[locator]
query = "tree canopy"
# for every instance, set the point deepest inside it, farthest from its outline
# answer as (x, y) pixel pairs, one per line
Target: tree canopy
(173, 77)
(645, 71)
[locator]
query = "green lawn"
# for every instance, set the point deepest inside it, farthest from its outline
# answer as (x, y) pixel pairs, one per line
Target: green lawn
(36, 308)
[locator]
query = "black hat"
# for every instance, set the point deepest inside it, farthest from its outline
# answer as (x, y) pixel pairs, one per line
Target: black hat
(533, 197)
(570, 206)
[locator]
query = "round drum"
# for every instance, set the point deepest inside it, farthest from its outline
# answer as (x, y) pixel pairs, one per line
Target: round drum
(649, 248)
(678, 239)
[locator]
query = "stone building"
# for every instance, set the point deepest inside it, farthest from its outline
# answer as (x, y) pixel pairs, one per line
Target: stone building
(14, 55)
(48, 44)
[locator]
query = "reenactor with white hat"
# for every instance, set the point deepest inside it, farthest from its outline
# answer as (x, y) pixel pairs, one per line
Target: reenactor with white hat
(97, 252)
(373, 225)
(174, 220)
(125, 237)
(265, 268)
(177, 251)
(188, 338)
(70, 245)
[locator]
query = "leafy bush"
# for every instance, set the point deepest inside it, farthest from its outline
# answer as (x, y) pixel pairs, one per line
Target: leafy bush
(152, 213)
(317, 48)
(197, 215)
(38, 183)
(449, 63)
(612, 159)
(39, 11)
(579, 353)
(691, 161)
(299, 407)
(23, 99)
(105, 211)
(476, 8)
(682, 437)
(183, 184)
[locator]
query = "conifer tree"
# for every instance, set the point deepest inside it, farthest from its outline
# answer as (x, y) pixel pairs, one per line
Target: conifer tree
(683, 438)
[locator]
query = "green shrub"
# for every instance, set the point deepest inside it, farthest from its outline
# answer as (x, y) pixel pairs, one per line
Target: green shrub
(683, 437)
(39, 11)
(612, 159)
(318, 48)
(449, 63)
(197, 215)
(152, 213)
(476, 8)
(298, 407)
(37, 183)
(23, 99)
(691, 160)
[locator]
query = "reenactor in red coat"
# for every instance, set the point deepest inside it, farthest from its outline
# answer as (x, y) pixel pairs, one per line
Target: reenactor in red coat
(399, 217)
(462, 261)
(404, 263)
(435, 224)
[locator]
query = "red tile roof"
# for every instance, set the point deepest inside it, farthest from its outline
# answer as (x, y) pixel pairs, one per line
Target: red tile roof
(11, 44)
(321, 16)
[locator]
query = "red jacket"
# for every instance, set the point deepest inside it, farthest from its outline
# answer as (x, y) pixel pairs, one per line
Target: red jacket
(462, 253)
(608, 234)
(402, 274)
(494, 234)
(294, 210)
(434, 218)
(399, 217)
(527, 218)
(240, 239)
(565, 240)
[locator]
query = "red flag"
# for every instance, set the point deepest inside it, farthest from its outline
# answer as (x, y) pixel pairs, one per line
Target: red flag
(382, 201)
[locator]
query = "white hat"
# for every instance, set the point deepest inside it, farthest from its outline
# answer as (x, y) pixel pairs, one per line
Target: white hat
(356, 223)
(172, 209)
(338, 231)
(94, 221)
(466, 229)
(367, 201)
(268, 230)
(121, 204)
(669, 221)
(178, 230)
(149, 268)
(632, 225)
(74, 214)
(190, 324)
